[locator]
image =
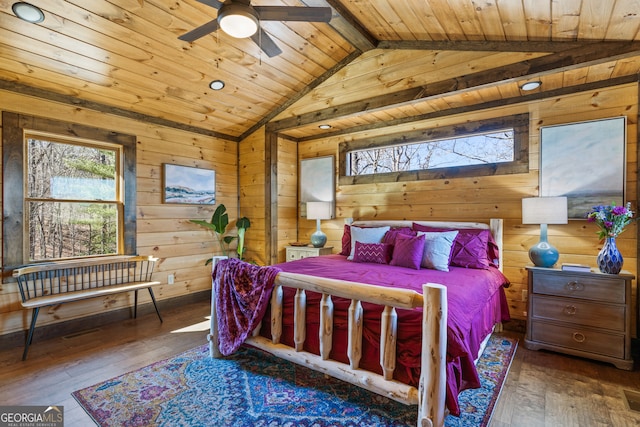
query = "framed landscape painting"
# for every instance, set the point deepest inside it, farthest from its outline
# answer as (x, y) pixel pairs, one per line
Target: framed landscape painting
(584, 161)
(184, 184)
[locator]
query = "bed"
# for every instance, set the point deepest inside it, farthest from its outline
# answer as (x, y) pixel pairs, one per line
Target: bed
(373, 317)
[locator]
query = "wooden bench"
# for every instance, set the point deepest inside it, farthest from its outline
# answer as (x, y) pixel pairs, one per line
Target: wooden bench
(54, 283)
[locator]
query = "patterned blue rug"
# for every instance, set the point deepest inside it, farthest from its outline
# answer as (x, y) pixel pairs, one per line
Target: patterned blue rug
(253, 388)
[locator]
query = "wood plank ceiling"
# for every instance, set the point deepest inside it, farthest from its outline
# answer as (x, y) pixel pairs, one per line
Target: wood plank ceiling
(377, 61)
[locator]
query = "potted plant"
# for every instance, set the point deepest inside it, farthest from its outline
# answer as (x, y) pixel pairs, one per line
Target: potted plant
(218, 225)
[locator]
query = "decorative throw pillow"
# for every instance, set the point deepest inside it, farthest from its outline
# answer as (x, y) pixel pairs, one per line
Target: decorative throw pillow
(470, 248)
(365, 235)
(346, 240)
(391, 235)
(407, 252)
(378, 253)
(437, 249)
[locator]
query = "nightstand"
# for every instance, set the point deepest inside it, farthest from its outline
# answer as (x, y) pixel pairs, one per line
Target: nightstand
(299, 252)
(585, 314)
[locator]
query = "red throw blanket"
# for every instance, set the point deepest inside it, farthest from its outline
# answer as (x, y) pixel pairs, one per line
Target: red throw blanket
(242, 293)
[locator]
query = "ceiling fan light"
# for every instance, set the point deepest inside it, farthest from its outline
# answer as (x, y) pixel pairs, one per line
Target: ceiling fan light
(28, 12)
(238, 20)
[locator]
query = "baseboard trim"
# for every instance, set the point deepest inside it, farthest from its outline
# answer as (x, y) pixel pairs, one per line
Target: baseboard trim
(75, 326)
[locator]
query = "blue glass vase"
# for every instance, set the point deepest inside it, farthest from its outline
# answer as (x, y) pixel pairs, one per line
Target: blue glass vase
(610, 259)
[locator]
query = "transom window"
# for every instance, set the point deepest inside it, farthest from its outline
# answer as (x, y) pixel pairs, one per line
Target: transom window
(73, 202)
(489, 147)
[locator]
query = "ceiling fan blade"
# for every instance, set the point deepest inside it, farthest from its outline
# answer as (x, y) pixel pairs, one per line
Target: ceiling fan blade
(293, 13)
(266, 43)
(201, 31)
(213, 3)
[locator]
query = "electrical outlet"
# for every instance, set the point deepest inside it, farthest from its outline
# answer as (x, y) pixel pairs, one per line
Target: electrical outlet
(524, 295)
(170, 279)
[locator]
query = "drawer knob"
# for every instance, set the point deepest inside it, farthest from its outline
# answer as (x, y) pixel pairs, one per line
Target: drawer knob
(569, 310)
(574, 286)
(578, 337)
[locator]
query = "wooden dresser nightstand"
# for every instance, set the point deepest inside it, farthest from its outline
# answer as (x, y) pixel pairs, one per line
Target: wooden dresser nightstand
(585, 314)
(299, 252)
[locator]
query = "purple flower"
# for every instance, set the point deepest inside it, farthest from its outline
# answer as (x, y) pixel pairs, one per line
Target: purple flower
(611, 220)
(619, 210)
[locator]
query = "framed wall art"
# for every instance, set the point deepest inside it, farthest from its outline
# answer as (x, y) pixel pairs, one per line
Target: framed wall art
(188, 185)
(317, 182)
(584, 161)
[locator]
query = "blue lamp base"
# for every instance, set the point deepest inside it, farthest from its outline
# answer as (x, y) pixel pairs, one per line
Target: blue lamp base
(318, 239)
(543, 254)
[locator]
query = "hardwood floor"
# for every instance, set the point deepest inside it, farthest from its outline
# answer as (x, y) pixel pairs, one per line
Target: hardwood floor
(542, 388)
(552, 390)
(59, 366)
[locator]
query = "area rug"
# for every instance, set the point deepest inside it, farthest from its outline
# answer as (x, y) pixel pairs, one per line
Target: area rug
(253, 388)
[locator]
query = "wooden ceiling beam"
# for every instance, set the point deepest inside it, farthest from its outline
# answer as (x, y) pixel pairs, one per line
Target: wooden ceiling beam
(587, 55)
(108, 109)
(294, 98)
(494, 46)
(618, 81)
(346, 25)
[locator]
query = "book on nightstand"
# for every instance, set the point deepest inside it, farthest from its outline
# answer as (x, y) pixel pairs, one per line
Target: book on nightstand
(576, 267)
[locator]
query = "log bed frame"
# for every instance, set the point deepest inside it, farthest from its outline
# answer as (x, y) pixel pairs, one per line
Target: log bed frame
(430, 395)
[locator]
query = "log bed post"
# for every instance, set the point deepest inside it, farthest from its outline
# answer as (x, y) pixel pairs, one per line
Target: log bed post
(432, 390)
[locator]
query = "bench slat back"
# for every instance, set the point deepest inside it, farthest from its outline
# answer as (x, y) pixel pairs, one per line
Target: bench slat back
(61, 277)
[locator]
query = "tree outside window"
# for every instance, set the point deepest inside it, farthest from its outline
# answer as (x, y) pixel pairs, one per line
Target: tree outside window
(73, 199)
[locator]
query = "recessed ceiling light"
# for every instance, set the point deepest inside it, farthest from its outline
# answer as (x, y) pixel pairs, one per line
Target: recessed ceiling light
(27, 12)
(531, 85)
(324, 126)
(216, 84)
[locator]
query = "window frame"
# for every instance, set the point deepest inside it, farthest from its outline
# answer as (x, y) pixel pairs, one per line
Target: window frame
(520, 164)
(15, 129)
(118, 200)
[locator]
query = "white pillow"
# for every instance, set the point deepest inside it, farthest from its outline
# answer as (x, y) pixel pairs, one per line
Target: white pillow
(437, 249)
(366, 235)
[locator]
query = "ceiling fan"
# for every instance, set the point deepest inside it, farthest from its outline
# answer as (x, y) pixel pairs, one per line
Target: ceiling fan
(239, 19)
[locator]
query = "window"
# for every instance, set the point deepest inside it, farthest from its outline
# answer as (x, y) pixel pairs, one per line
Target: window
(472, 149)
(73, 201)
(69, 190)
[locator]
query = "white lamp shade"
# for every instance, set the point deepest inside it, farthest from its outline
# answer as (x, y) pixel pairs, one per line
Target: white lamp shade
(318, 210)
(544, 210)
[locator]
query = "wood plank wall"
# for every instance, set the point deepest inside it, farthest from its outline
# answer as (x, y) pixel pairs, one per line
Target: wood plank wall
(482, 198)
(253, 179)
(163, 230)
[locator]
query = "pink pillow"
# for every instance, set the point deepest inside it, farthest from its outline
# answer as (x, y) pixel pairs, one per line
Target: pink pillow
(346, 241)
(470, 248)
(391, 235)
(378, 253)
(408, 251)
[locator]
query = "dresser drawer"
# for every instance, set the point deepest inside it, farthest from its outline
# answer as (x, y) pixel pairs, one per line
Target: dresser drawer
(579, 312)
(578, 338)
(587, 286)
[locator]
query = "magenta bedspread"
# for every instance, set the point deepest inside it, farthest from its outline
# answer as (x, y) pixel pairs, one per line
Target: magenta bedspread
(476, 302)
(242, 293)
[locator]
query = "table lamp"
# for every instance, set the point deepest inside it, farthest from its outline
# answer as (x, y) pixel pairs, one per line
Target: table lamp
(543, 211)
(318, 211)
